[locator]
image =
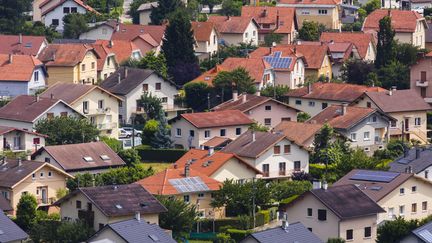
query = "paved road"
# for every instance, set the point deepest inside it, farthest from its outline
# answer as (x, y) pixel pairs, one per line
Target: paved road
(126, 6)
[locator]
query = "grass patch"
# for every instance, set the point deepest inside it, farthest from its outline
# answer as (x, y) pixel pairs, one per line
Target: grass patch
(157, 167)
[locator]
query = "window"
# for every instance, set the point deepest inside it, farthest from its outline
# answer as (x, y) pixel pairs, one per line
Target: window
(391, 212)
(298, 102)
(414, 208)
(353, 136)
(214, 39)
(322, 214)
(254, 33)
(191, 133)
(324, 105)
(49, 173)
(93, 65)
(47, 160)
(186, 198)
(265, 26)
(309, 212)
(413, 189)
(55, 22)
(266, 169)
(164, 99)
(223, 132)
(367, 232)
(366, 136)
(268, 107)
(304, 12)
(101, 226)
(310, 229)
(158, 86)
(312, 103)
(374, 119)
(424, 206)
(238, 130)
(36, 76)
(282, 168)
(200, 195)
(33, 176)
(246, 35)
(73, 9)
(417, 121)
(78, 204)
(178, 132)
(100, 104)
(426, 174)
(66, 10)
(287, 149)
(402, 191)
(207, 133)
(64, 114)
(276, 149)
(267, 121)
(83, 67)
(368, 104)
(145, 87)
(322, 11)
(297, 165)
(392, 123)
(402, 210)
(349, 234)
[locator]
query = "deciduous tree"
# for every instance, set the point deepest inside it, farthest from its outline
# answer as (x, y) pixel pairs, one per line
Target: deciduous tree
(179, 218)
(74, 25)
(26, 211)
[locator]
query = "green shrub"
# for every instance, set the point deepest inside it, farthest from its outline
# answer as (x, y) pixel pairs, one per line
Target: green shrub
(223, 238)
(290, 199)
(159, 155)
(273, 213)
(238, 235)
(259, 219)
(266, 214)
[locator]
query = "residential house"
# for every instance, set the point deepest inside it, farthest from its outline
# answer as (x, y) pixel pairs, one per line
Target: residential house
(103, 205)
(409, 26)
(428, 35)
(277, 20)
(415, 160)
(22, 44)
(188, 185)
(53, 15)
(21, 75)
(11, 232)
(408, 109)
(264, 110)
(24, 111)
(234, 30)
(337, 212)
(326, 12)
(315, 97)
(273, 154)
(206, 39)
(191, 130)
(5, 206)
(217, 165)
(131, 83)
(363, 43)
(144, 11)
(39, 179)
(93, 158)
(20, 140)
(70, 63)
(122, 50)
(100, 106)
(399, 194)
(365, 128)
(259, 70)
(101, 31)
(288, 65)
(340, 53)
(301, 133)
(107, 61)
(295, 232)
(420, 75)
(131, 231)
(419, 235)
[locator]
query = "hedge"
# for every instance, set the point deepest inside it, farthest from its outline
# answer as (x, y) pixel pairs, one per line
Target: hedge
(238, 235)
(159, 155)
(266, 214)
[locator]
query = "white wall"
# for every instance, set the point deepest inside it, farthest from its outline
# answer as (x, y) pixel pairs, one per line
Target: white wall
(102, 32)
(34, 85)
(57, 13)
(311, 106)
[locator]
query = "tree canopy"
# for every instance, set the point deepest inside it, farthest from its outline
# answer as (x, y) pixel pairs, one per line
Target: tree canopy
(163, 10)
(74, 25)
(179, 218)
(226, 81)
(310, 31)
(196, 95)
(26, 211)
(13, 15)
(386, 43)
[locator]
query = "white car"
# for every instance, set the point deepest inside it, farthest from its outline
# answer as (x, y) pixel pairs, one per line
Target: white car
(129, 131)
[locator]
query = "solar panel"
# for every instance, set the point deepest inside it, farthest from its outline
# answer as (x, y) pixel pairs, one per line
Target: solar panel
(379, 176)
(189, 184)
(426, 235)
(276, 61)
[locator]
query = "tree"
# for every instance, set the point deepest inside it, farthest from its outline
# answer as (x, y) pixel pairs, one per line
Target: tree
(238, 78)
(13, 15)
(356, 71)
(407, 53)
(395, 230)
(53, 230)
(231, 8)
(39, 29)
(181, 62)
(179, 218)
(26, 211)
(130, 156)
(211, 4)
(310, 31)
(151, 105)
(195, 95)
(394, 74)
(113, 143)
(285, 189)
(322, 139)
(67, 130)
(271, 38)
(163, 10)
(386, 43)
(371, 6)
(277, 92)
(303, 116)
(256, 127)
(74, 25)
(150, 128)
(335, 240)
(154, 62)
(161, 138)
(358, 159)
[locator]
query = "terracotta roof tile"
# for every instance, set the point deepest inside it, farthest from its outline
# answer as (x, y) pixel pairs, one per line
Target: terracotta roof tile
(359, 39)
(64, 54)
(21, 68)
(30, 44)
(202, 30)
(268, 15)
(299, 132)
(400, 100)
(128, 32)
(333, 116)
(70, 93)
(402, 20)
(217, 118)
(216, 142)
(252, 101)
(122, 49)
(235, 24)
(6, 129)
(309, 2)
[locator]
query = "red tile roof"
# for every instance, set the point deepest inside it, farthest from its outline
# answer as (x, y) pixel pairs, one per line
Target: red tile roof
(251, 102)
(159, 184)
(79, 2)
(333, 91)
(269, 15)
(400, 101)
(309, 2)
(64, 54)
(333, 116)
(402, 20)
(21, 68)
(122, 49)
(128, 32)
(236, 24)
(217, 142)
(285, 52)
(30, 45)
(359, 39)
(202, 30)
(217, 118)
(5, 129)
(299, 132)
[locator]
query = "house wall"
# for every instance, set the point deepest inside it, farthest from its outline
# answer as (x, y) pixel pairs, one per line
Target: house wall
(13, 88)
(110, 66)
(26, 140)
(143, 46)
(144, 17)
(358, 225)
(35, 85)
(277, 113)
(417, 38)
(311, 106)
(62, 74)
(247, 36)
(233, 169)
(298, 74)
(371, 53)
(310, 13)
(47, 6)
(89, 74)
(423, 64)
(57, 13)
(105, 235)
(202, 204)
(102, 32)
(210, 46)
(36, 10)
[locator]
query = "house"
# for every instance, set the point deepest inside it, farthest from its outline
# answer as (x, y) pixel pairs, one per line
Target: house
(278, 20)
(131, 231)
(10, 231)
(25, 111)
(101, 31)
(131, 83)
(295, 232)
(420, 75)
(326, 12)
(21, 75)
(363, 43)
(206, 39)
(94, 157)
(340, 53)
(410, 117)
(264, 110)
(337, 212)
(234, 30)
(259, 70)
(399, 194)
(365, 128)
(273, 154)
(315, 97)
(53, 15)
(191, 130)
(217, 165)
(419, 235)
(18, 177)
(415, 160)
(103, 205)
(5, 206)
(144, 11)
(100, 106)
(22, 44)
(70, 63)
(428, 34)
(188, 185)
(409, 26)
(217, 143)
(301, 133)
(20, 140)
(107, 62)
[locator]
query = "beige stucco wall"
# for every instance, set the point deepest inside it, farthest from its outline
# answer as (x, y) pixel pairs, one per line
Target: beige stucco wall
(107, 234)
(233, 169)
(108, 68)
(61, 74)
(312, 110)
(310, 13)
(89, 74)
(276, 114)
(358, 225)
(202, 204)
(423, 64)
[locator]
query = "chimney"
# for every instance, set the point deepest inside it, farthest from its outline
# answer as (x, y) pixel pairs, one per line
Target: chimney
(10, 58)
(285, 223)
(316, 185)
(138, 216)
(117, 27)
(187, 170)
(126, 72)
(244, 98)
(325, 185)
(265, 13)
(331, 42)
(253, 136)
(20, 39)
(210, 151)
(37, 98)
(119, 77)
(409, 169)
(417, 154)
(277, 20)
(309, 87)
(175, 166)
(235, 95)
(110, 44)
(52, 96)
(394, 88)
(258, 93)
(295, 50)
(344, 108)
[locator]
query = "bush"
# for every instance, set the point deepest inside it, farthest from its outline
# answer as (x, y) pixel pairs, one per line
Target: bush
(238, 235)
(259, 219)
(223, 238)
(266, 214)
(159, 155)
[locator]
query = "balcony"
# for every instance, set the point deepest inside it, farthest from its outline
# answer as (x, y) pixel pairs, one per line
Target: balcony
(107, 126)
(422, 83)
(103, 111)
(45, 200)
(282, 173)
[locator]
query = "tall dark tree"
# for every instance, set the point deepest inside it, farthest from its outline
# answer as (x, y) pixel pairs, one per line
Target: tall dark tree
(386, 43)
(178, 48)
(26, 211)
(161, 138)
(74, 25)
(13, 15)
(163, 10)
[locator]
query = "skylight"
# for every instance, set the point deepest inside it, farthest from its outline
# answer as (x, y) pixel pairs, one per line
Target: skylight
(118, 206)
(105, 157)
(88, 159)
(154, 237)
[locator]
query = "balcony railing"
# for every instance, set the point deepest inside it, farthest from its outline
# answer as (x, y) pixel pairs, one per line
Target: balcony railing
(107, 126)
(45, 200)
(103, 110)
(422, 83)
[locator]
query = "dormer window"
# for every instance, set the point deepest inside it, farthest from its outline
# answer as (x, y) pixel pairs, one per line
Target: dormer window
(105, 157)
(88, 159)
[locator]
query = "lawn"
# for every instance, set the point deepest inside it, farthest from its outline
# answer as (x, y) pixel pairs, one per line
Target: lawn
(157, 167)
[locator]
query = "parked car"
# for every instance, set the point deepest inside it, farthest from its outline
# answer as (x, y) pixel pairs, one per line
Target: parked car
(129, 131)
(123, 133)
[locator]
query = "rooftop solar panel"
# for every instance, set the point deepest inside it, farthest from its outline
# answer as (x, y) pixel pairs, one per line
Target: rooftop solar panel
(378, 176)
(276, 61)
(189, 184)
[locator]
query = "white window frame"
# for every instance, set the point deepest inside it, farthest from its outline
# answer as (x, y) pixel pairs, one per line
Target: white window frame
(178, 132)
(207, 133)
(417, 121)
(366, 138)
(353, 137)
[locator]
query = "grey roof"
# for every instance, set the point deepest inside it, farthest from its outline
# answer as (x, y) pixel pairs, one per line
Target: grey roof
(9, 231)
(295, 232)
(411, 163)
(129, 80)
(134, 231)
(245, 146)
(148, 6)
(11, 172)
(424, 233)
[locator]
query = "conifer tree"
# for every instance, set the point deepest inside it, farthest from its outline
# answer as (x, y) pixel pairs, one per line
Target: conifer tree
(161, 138)
(163, 10)
(386, 43)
